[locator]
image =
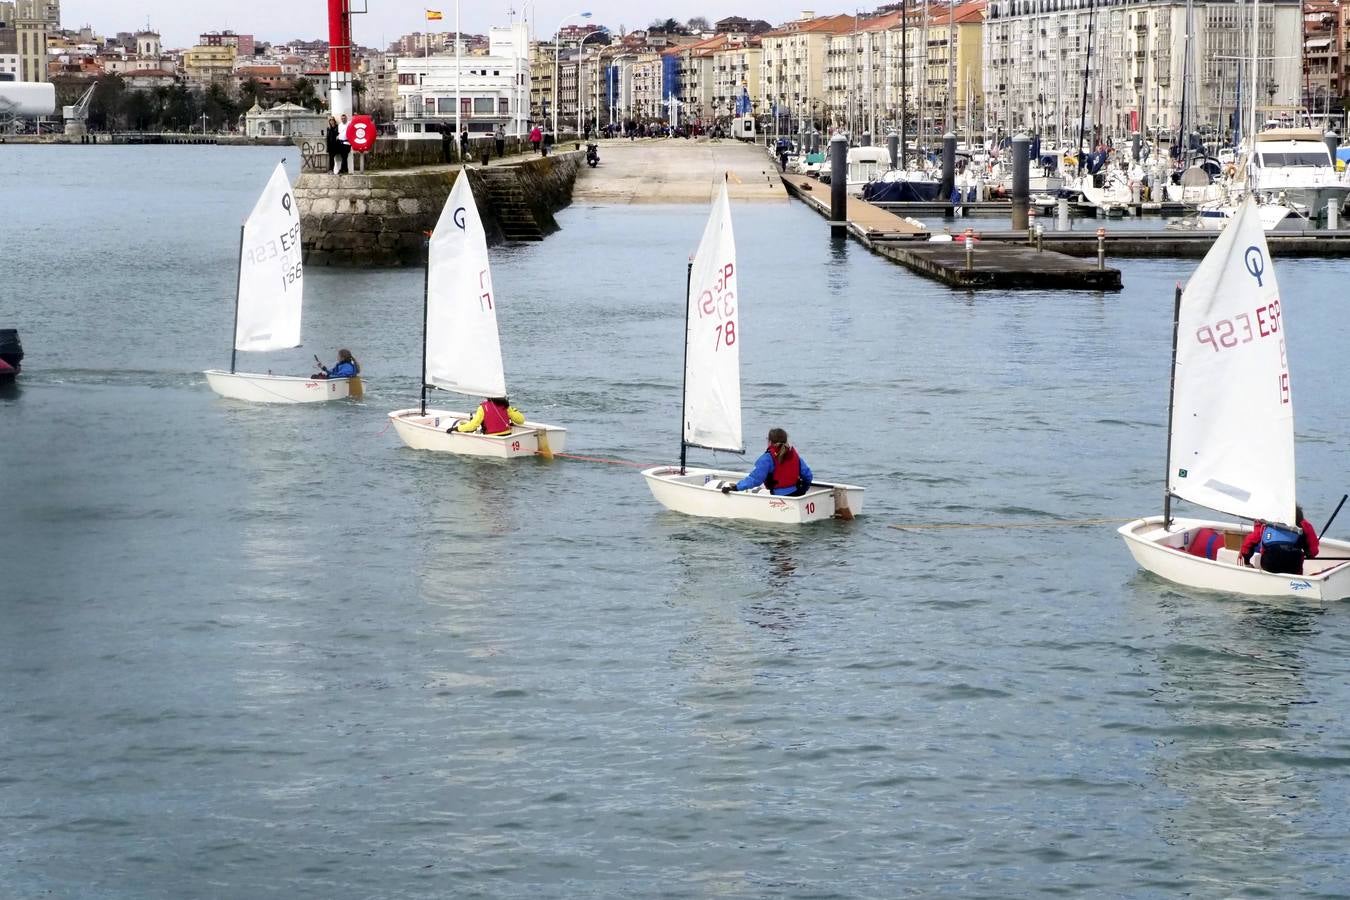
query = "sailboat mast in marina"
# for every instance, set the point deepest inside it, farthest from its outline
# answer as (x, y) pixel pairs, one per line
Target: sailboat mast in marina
(269, 296)
(461, 347)
(710, 415)
(1230, 434)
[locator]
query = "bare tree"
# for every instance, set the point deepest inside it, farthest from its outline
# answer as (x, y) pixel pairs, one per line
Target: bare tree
(698, 23)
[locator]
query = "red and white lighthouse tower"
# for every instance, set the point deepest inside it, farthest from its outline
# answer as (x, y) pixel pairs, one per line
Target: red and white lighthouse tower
(339, 57)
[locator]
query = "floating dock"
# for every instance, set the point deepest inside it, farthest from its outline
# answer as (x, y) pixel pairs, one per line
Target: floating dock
(990, 263)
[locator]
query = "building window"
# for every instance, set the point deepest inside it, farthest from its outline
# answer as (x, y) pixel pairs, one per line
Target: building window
(408, 78)
(503, 106)
(484, 106)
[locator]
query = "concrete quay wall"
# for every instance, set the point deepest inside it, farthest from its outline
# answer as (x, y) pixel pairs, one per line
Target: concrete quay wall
(381, 218)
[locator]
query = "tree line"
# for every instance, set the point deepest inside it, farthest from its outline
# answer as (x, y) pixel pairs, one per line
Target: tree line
(116, 107)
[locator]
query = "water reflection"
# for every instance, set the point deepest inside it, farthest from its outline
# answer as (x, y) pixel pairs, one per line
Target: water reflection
(1231, 679)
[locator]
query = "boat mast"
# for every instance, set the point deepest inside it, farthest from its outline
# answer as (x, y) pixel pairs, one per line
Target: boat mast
(1251, 131)
(426, 296)
(904, 84)
(238, 279)
(684, 383)
(1082, 111)
(1183, 136)
(1171, 400)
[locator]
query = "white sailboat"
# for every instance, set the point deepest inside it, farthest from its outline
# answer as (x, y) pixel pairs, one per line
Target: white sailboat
(461, 350)
(712, 400)
(268, 298)
(1230, 438)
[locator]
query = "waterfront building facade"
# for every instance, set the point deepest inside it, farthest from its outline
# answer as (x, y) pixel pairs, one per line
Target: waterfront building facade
(736, 71)
(493, 89)
(1035, 57)
(792, 68)
(205, 65)
(32, 21)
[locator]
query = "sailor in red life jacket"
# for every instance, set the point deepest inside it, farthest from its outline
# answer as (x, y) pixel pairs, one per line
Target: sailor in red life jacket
(1283, 548)
(494, 415)
(779, 468)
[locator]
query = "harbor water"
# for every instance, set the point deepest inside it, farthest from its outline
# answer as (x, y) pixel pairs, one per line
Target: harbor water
(268, 652)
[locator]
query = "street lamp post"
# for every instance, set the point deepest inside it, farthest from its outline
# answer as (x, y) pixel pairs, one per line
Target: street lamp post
(557, 49)
(580, 68)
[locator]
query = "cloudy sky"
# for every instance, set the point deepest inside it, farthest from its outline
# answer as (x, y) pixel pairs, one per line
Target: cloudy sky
(179, 23)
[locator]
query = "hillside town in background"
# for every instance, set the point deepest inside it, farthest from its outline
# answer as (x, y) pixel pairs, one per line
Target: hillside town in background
(983, 68)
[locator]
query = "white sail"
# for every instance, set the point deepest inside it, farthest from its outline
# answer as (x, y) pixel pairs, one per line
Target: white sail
(712, 375)
(271, 271)
(1233, 416)
(464, 353)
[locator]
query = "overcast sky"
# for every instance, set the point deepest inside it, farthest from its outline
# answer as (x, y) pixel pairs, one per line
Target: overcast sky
(179, 23)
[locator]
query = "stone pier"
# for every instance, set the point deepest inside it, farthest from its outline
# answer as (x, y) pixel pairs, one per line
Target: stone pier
(381, 218)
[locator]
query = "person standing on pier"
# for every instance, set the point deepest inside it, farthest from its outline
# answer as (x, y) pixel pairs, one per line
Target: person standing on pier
(779, 468)
(464, 144)
(501, 141)
(537, 138)
(344, 143)
(332, 145)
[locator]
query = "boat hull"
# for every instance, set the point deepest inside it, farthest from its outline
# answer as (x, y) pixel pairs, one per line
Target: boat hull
(1163, 552)
(255, 388)
(697, 493)
(427, 431)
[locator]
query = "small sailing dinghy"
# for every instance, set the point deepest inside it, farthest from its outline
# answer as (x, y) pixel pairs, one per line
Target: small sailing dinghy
(712, 400)
(267, 303)
(1230, 436)
(461, 350)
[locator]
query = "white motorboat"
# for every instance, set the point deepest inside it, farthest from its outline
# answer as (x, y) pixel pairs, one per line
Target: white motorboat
(1230, 437)
(461, 349)
(1217, 214)
(712, 400)
(866, 164)
(267, 303)
(1296, 163)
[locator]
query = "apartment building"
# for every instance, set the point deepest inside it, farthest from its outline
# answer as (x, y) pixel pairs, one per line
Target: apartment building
(792, 67)
(1146, 55)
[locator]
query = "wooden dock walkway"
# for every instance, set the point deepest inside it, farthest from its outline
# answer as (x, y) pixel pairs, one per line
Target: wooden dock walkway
(862, 216)
(994, 264)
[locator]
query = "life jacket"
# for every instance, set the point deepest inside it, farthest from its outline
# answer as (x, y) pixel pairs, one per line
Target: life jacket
(786, 471)
(496, 420)
(1283, 537)
(1206, 543)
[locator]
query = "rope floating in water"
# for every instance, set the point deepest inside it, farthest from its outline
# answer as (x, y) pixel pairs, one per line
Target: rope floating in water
(1045, 523)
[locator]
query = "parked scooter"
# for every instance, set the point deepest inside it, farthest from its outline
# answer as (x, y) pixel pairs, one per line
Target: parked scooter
(592, 155)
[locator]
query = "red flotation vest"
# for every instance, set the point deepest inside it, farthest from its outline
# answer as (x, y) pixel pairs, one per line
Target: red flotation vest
(786, 471)
(495, 419)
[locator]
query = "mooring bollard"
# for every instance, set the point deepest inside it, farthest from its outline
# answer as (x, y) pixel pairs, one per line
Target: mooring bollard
(970, 250)
(1101, 249)
(1063, 207)
(1333, 214)
(1040, 234)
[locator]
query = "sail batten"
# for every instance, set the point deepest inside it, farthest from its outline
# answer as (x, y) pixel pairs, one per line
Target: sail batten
(463, 348)
(712, 377)
(271, 271)
(1232, 428)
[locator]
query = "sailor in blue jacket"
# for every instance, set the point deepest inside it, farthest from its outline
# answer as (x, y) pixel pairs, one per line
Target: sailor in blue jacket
(345, 367)
(779, 468)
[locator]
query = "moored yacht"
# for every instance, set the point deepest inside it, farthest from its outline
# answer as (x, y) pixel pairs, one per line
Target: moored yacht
(1295, 162)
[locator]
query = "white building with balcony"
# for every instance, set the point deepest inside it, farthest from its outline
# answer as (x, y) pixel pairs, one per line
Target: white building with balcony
(492, 89)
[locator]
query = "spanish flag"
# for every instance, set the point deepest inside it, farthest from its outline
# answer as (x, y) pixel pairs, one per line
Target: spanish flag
(434, 15)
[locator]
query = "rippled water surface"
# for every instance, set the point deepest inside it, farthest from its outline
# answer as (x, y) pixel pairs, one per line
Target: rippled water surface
(269, 652)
